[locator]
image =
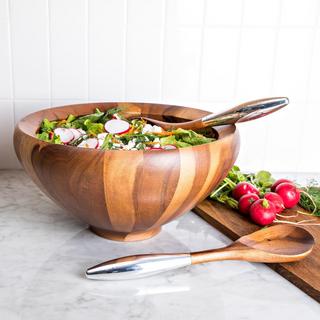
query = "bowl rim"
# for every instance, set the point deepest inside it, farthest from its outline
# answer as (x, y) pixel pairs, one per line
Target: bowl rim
(23, 124)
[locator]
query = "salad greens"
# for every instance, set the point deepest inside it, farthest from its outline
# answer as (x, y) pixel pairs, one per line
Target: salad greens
(110, 130)
(262, 180)
(310, 198)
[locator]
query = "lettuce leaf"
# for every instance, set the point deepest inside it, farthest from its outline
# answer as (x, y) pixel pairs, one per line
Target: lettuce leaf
(109, 113)
(71, 118)
(47, 126)
(172, 140)
(45, 136)
(93, 117)
(107, 143)
(191, 137)
(93, 128)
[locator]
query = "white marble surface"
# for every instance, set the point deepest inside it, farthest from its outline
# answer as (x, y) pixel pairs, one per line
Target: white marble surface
(44, 253)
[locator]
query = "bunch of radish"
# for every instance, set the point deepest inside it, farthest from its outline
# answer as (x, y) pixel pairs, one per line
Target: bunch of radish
(263, 211)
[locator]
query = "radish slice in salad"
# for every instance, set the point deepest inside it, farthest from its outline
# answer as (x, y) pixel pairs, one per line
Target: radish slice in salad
(102, 135)
(169, 147)
(117, 126)
(76, 133)
(100, 143)
(91, 143)
(65, 135)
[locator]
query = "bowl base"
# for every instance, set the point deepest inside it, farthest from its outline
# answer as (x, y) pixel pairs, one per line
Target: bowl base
(126, 237)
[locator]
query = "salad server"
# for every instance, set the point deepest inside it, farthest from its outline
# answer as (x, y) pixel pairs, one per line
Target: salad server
(244, 112)
(276, 244)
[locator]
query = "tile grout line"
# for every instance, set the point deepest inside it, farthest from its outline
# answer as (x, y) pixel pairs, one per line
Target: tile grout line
(84, 99)
(276, 41)
(163, 48)
(249, 26)
(308, 80)
(273, 72)
(124, 53)
(235, 90)
(87, 49)
(238, 60)
(49, 49)
(203, 27)
(9, 11)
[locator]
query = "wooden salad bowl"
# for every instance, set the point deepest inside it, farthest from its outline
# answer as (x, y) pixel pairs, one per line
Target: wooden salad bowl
(125, 195)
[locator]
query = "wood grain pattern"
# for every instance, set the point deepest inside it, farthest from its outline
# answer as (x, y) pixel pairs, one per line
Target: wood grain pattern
(304, 274)
(279, 243)
(125, 195)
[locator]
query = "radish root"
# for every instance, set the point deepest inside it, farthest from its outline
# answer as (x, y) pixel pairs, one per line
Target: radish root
(300, 223)
(282, 216)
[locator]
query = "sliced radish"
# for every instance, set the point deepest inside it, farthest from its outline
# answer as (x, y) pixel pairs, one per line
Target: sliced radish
(115, 116)
(76, 133)
(102, 135)
(81, 131)
(65, 135)
(100, 143)
(169, 147)
(58, 131)
(153, 148)
(91, 143)
(116, 126)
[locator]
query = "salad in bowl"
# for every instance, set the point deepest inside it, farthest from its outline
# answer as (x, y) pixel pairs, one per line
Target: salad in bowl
(110, 130)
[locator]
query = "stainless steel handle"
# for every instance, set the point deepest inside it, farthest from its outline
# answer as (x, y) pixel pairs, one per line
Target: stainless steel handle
(246, 111)
(139, 266)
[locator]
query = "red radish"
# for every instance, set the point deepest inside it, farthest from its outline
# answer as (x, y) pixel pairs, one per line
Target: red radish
(51, 135)
(289, 193)
(65, 135)
(76, 133)
(117, 126)
(276, 183)
(276, 200)
(246, 201)
(169, 147)
(243, 188)
(100, 143)
(154, 148)
(91, 143)
(263, 212)
(81, 131)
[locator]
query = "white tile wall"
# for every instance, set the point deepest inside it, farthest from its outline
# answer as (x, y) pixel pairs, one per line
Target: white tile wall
(5, 52)
(220, 63)
(30, 52)
(191, 52)
(261, 12)
(68, 35)
(106, 46)
(225, 13)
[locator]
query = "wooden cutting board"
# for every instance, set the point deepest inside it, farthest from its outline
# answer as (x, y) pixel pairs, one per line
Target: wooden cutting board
(304, 274)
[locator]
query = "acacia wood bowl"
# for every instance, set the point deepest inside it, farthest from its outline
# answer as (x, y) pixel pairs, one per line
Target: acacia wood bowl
(125, 195)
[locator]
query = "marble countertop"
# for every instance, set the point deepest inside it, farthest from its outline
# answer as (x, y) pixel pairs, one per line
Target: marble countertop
(44, 253)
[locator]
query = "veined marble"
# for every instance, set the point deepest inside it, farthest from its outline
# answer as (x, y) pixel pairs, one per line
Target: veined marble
(44, 253)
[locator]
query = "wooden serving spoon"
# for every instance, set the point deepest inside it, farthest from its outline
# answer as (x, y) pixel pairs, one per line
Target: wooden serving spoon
(280, 243)
(244, 112)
